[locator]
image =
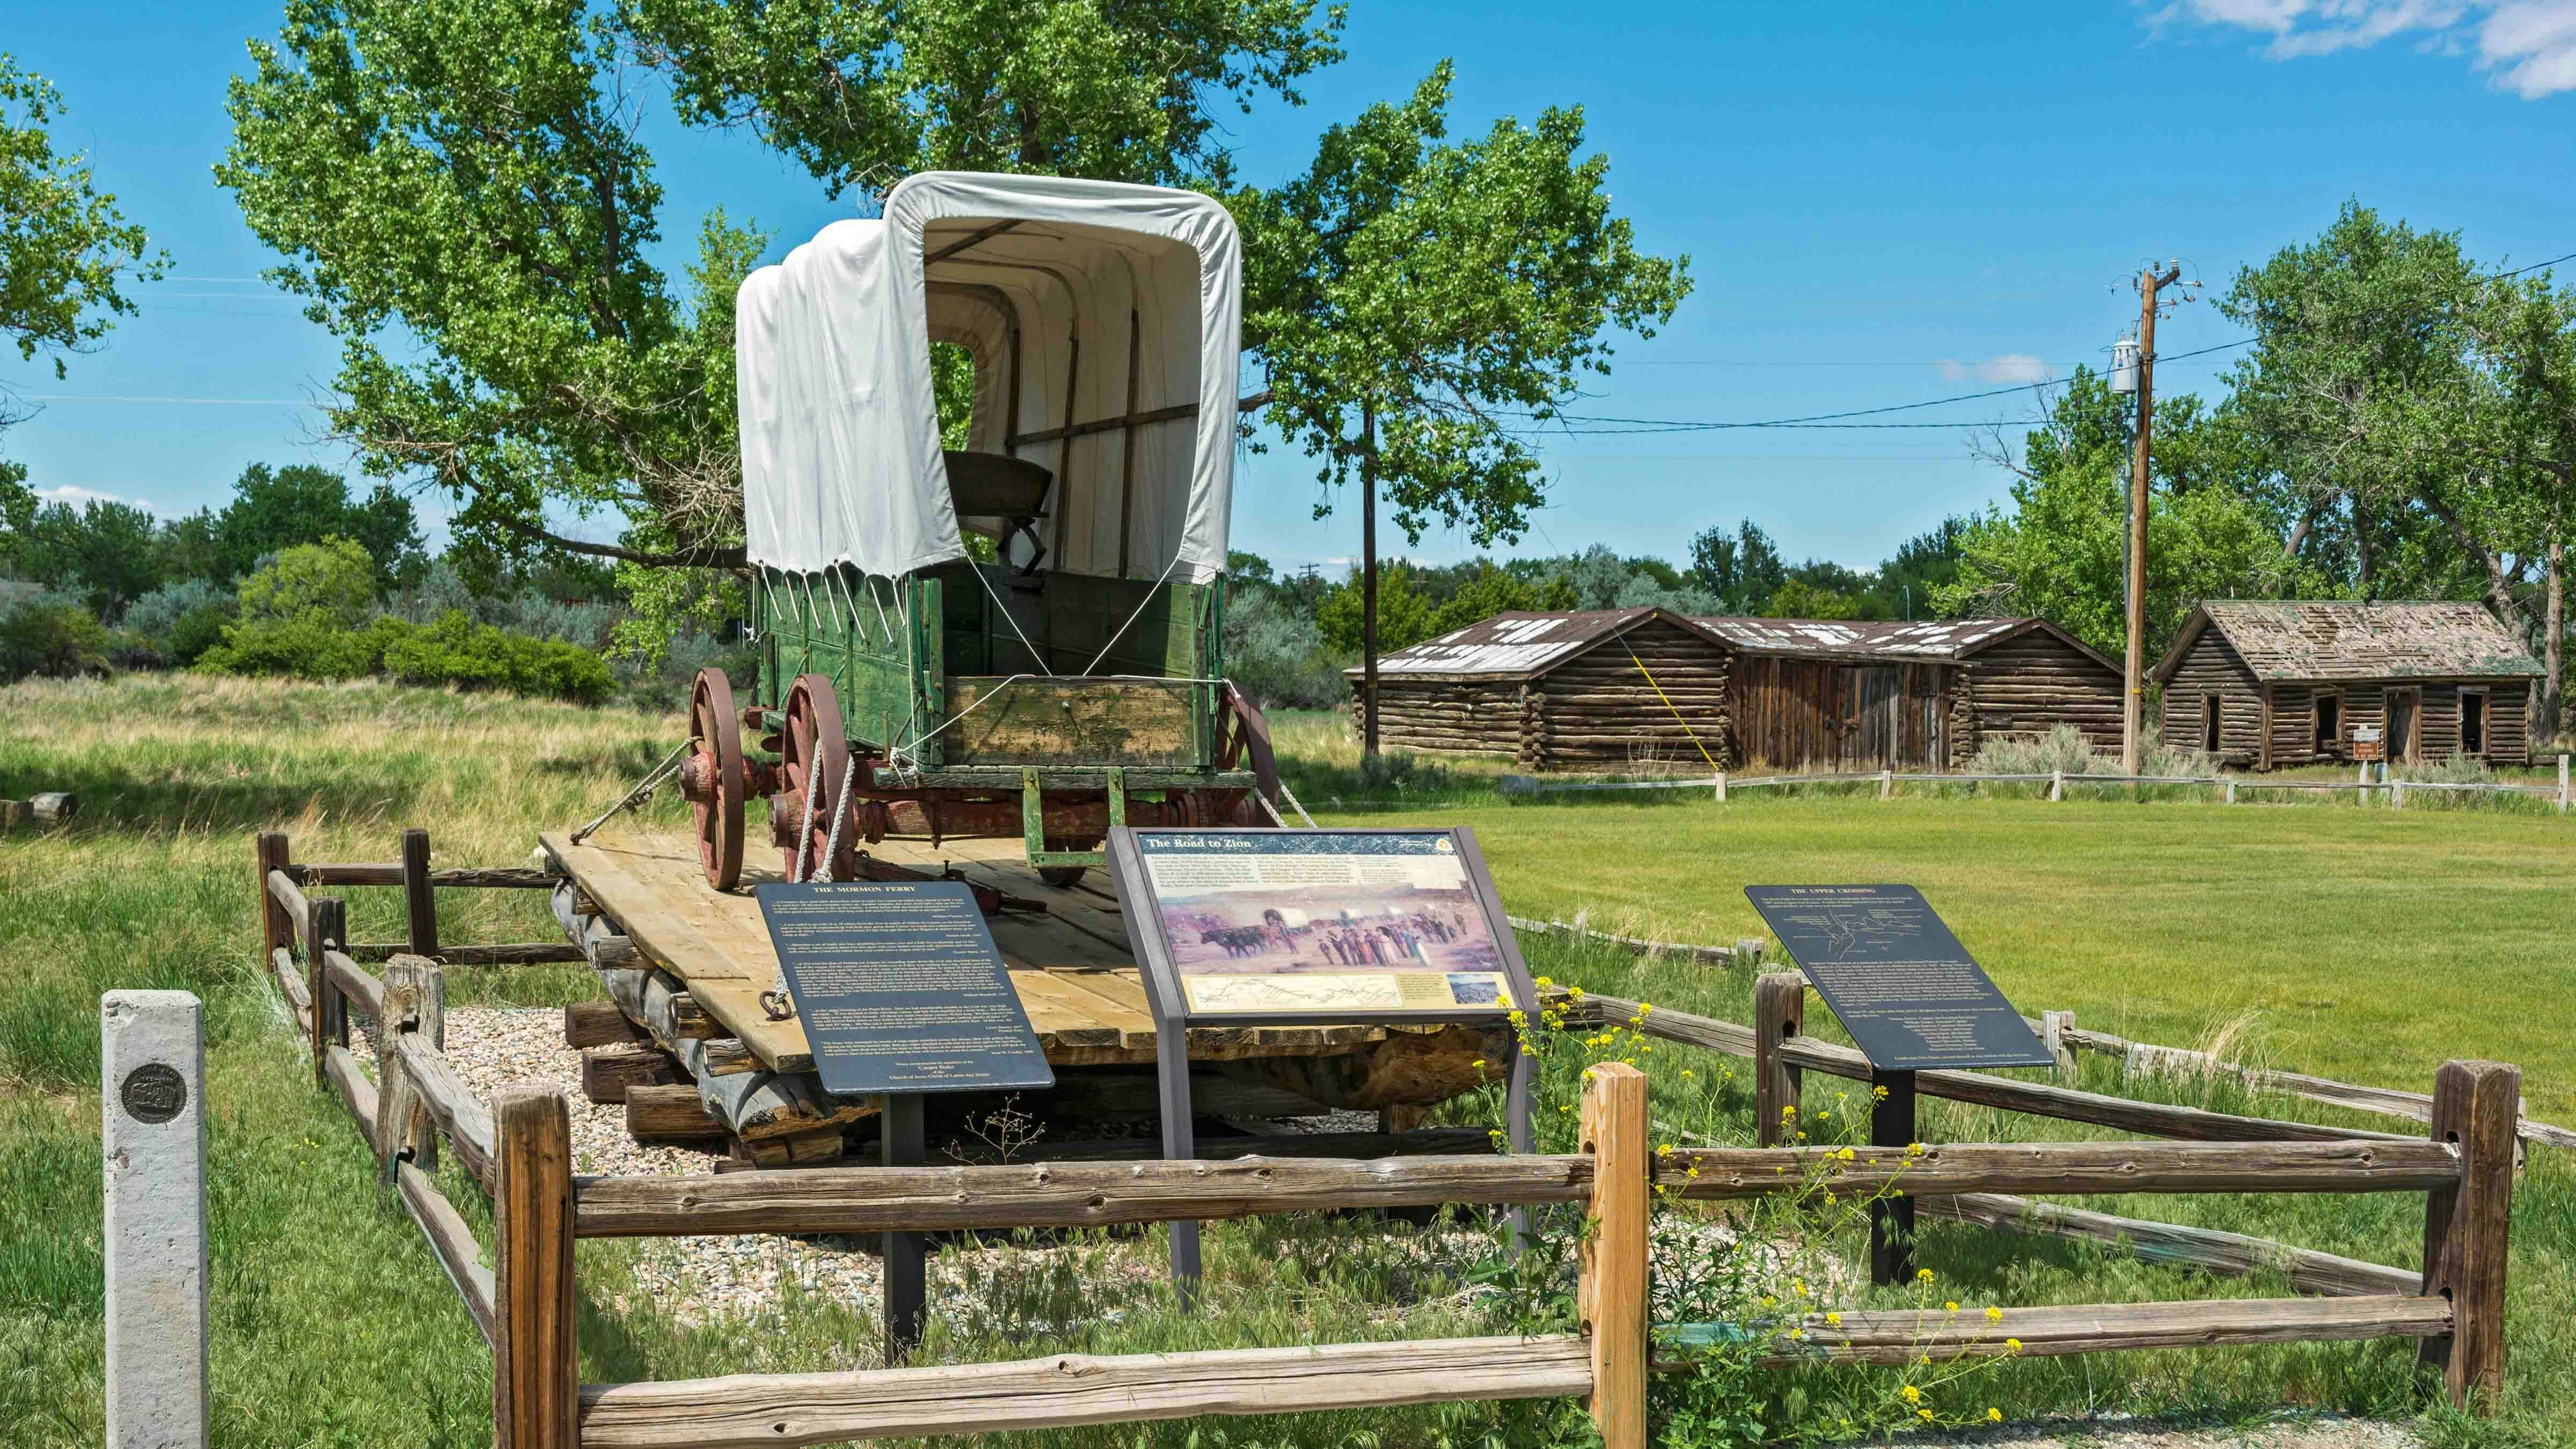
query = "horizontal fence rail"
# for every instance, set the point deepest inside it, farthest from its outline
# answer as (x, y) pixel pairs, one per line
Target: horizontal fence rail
(1070, 1390)
(1720, 785)
(2064, 1167)
(1058, 1195)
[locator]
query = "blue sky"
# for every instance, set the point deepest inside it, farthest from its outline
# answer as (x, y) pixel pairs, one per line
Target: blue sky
(1882, 203)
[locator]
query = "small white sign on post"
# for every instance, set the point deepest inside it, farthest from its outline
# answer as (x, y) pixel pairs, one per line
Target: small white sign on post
(152, 1084)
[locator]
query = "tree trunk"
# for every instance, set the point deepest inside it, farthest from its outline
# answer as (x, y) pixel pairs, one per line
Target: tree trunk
(1368, 580)
(2367, 562)
(2553, 645)
(2298, 538)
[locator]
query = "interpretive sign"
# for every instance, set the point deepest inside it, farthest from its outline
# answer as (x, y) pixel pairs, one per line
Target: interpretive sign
(900, 988)
(1315, 924)
(1898, 981)
(1292, 927)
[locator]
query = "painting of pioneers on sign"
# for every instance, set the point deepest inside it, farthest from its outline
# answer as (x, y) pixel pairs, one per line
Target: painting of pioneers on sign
(1359, 921)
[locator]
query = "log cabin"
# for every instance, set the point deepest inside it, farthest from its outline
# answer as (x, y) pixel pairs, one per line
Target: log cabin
(2269, 684)
(1633, 688)
(1560, 690)
(1826, 694)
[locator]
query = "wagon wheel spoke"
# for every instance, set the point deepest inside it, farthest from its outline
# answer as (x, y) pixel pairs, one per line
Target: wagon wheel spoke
(814, 755)
(718, 767)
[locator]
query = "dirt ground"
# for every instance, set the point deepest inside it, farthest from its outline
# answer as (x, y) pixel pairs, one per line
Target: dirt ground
(2319, 1431)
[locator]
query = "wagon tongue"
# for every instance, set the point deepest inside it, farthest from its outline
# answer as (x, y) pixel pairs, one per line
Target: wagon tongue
(989, 900)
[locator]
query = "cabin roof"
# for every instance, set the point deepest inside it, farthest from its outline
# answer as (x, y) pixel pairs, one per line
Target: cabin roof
(1522, 643)
(1518, 642)
(2288, 639)
(1884, 639)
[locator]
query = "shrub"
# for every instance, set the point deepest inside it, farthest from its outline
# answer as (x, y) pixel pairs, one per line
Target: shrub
(331, 583)
(456, 650)
(301, 648)
(1276, 656)
(2065, 748)
(52, 635)
(195, 632)
(157, 613)
(665, 685)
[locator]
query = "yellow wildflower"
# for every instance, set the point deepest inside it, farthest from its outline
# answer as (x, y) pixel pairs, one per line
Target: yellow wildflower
(1544, 981)
(1575, 991)
(1994, 1416)
(1952, 1305)
(2012, 1345)
(1910, 1394)
(1845, 1154)
(1924, 1414)
(1923, 1275)
(1833, 1320)
(1478, 1062)
(1994, 1315)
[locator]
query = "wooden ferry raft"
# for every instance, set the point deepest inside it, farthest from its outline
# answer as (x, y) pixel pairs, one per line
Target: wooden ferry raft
(1075, 974)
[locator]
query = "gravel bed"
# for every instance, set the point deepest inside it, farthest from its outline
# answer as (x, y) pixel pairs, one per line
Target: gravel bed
(2120, 1431)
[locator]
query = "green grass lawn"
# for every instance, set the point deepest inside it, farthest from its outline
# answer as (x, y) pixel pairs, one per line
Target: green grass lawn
(2367, 945)
(2372, 945)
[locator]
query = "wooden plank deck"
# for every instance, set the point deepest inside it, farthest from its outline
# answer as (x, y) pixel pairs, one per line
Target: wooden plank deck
(1076, 977)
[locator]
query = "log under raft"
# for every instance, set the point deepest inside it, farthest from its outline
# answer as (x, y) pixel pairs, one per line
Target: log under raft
(684, 1043)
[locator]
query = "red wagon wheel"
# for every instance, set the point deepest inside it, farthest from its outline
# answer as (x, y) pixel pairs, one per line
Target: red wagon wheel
(718, 774)
(813, 747)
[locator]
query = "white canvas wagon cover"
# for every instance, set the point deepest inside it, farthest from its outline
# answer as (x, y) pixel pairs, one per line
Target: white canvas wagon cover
(1044, 281)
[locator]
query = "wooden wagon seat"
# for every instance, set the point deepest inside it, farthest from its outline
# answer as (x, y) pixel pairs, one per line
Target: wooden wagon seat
(992, 491)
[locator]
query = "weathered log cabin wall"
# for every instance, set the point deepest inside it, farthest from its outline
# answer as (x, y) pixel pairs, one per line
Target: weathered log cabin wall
(2036, 681)
(1478, 716)
(1822, 715)
(2439, 723)
(1598, 707)
(2212, 671)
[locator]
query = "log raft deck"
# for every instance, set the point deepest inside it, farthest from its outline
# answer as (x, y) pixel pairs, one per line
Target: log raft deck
(1076, 976)
(1633, 687)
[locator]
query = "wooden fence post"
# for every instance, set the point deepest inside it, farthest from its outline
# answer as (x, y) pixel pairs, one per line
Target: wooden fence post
(420, 900)
(2057, 784)
(1612, 1293)
(2053, 1027)
(2231, 790)
(1886, 783)
(2465, 1228)
(2562, 784)
(1779, 1013)
(415, 1002)
(276, 929)
(2397, 793)
(329, 931)
(536, 1368)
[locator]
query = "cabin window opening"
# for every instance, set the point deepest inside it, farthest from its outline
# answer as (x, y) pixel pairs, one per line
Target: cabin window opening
(2209, 723)
(2473, 723)
(2329, 723)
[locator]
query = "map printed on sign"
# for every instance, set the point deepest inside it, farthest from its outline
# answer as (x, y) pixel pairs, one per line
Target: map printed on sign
(900, 988)
(1896, 978)
(1260, 921)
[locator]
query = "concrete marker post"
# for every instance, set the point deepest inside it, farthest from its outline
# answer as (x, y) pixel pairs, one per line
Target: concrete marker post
(152, 1085)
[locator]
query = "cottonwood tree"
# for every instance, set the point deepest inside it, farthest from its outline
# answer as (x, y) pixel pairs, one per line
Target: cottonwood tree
(66, 254)
(465, 204)
(1416, 306)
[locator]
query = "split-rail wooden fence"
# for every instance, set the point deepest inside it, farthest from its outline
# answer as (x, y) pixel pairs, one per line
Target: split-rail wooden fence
(520, 1289)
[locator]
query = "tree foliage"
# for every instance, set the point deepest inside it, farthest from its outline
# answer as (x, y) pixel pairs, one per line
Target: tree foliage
(864, 94)
(466, 206)
(1416, 305)
(66, 252)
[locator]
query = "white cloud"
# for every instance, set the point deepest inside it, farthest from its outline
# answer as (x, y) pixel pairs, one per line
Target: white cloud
(75, 495)
(2527, 47)
(2004, 367)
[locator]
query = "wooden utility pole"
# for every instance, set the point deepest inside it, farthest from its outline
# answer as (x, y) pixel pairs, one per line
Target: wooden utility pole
(2133, 701)
(1368, 580)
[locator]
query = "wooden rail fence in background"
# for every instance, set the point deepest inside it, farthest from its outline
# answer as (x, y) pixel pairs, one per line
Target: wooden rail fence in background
(518, 1151)
(1720, 784)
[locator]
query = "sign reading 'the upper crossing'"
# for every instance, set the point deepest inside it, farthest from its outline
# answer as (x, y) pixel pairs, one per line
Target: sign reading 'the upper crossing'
(1896, 978)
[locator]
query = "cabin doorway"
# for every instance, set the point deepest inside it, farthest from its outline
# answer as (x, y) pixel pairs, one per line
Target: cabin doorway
(2211, 720)
(1878, 692)
(2473, 722)
(2329, 723)
(2403, 706)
